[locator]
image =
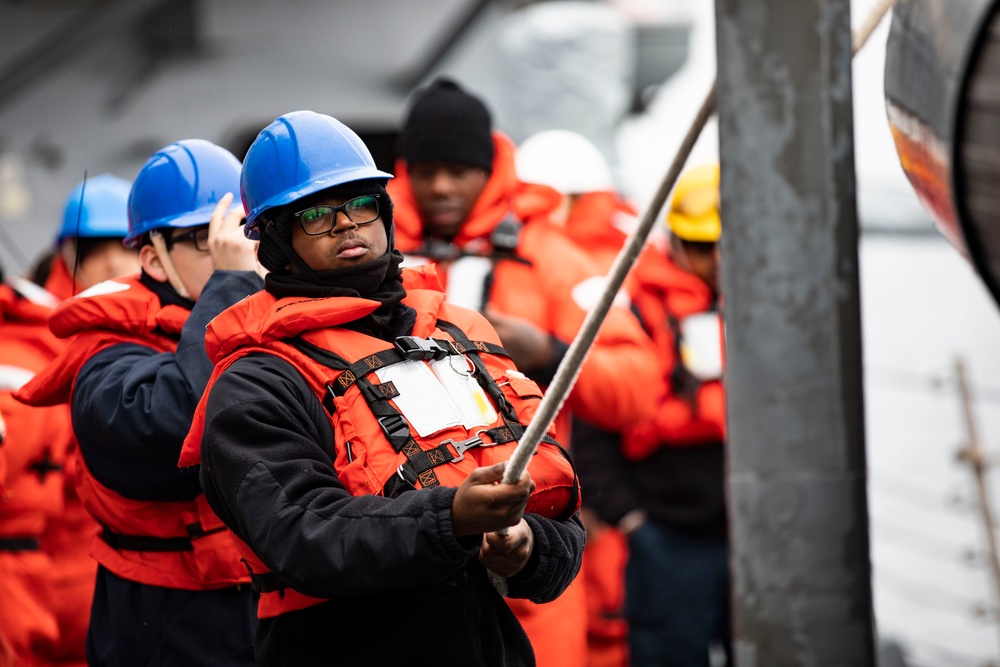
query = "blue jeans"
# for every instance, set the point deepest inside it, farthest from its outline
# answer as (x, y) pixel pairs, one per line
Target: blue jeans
(676, 597)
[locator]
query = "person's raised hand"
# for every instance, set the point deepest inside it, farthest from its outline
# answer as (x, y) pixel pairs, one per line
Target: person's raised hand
(508, 552)
(483, 504)
(230, 249)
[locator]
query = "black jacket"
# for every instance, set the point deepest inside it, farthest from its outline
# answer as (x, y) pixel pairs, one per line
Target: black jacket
(403, 588)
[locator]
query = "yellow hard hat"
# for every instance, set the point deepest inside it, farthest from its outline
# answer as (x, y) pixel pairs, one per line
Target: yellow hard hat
(694, 210)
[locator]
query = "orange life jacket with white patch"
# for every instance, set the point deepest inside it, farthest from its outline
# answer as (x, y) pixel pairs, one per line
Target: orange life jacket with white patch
(378, 442)
(177, 544)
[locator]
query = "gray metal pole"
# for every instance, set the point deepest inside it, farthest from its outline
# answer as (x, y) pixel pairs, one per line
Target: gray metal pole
(799, 528)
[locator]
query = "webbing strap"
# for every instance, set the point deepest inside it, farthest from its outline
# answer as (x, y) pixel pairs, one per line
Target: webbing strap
(465, 346)
(385, 358)
(264, 582)
(419, 467)
(19, 544)
(359, 369)
(122, 542)
(420, 462)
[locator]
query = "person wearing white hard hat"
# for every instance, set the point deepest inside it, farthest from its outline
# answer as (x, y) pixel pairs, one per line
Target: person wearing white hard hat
(597, 219)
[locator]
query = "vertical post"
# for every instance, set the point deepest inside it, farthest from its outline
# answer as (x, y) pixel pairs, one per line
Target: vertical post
(797, 496)
(974, 455)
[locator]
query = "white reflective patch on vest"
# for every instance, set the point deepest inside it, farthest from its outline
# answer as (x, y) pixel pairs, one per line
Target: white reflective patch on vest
(701, 345)
(107, 287)
(13, 378)
(467, 282)
(587, 293)
(433, 400)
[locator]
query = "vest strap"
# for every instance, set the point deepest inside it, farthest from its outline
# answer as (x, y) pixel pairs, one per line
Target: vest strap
(264, 582)
(122, 542)
(421, 462)
(15, 544)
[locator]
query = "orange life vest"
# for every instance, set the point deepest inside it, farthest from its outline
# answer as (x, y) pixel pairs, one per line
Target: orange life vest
(378, 452)
(31, 458)
(692, 412)
(179, 544)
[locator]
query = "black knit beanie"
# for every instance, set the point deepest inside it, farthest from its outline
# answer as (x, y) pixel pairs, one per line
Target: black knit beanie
(274, 257)
(447, 124)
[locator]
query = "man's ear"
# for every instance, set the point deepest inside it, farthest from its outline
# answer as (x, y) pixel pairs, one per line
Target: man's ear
(67, 250)
(152, 264)
(678, 254)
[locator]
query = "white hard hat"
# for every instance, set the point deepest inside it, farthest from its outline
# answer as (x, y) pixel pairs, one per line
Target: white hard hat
(563, 160)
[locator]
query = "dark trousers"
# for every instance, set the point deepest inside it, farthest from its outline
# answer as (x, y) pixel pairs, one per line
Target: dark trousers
(676, 597)
(134, 624)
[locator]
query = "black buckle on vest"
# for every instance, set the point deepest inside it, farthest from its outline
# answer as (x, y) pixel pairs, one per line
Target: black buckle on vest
(15, 544)
(421, 349)
(407, 475)
(394, 426)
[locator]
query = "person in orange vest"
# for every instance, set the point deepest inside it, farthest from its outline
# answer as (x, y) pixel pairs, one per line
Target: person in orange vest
(170, 588)
(672, 501)
(39, 508)
(598, 220)
(355, 431)
(460, 206)
(31, 457)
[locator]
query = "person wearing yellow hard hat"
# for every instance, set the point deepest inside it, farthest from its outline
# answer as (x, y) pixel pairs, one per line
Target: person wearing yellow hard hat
(695, 223)
(677, 575)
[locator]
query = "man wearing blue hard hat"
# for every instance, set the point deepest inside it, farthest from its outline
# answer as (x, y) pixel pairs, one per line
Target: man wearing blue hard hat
(89, 241)
(170, 587)
(87, 248)
(354, 434)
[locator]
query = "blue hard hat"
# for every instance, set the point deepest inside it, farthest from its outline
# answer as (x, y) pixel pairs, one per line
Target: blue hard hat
(96, 208)
(179, 187)
(297, 155)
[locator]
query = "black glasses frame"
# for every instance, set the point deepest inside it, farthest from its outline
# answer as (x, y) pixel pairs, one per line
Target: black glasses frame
(192, 236)
(342, 208)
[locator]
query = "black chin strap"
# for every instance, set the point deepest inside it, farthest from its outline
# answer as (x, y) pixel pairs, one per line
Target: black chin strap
(290, 255)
